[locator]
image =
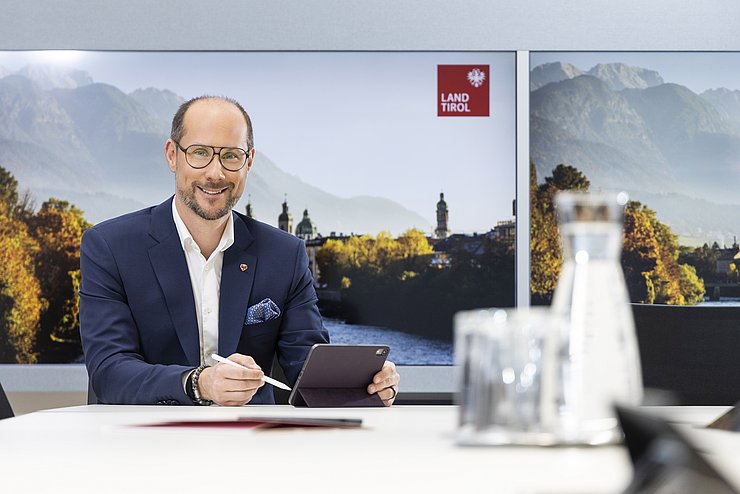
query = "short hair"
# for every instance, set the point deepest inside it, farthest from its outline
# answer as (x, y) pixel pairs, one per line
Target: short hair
(178, 121)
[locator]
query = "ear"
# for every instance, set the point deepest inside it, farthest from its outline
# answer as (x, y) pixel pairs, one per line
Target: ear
(170, 153)
(250, 160)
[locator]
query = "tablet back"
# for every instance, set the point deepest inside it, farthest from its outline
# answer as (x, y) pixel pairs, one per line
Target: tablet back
(338, 375)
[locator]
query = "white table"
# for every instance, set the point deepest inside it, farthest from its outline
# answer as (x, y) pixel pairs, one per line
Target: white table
(99, 448)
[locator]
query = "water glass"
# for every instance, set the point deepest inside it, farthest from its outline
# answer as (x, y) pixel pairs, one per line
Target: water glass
(504, 387)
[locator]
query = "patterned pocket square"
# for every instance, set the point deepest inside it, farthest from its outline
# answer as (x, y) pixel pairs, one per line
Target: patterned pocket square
(262, 311)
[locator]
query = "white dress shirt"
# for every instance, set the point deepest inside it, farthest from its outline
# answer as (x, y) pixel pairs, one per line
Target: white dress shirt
(205, 277)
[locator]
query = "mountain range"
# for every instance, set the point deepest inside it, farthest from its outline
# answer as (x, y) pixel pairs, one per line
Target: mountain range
(676, 151)
(63, 135)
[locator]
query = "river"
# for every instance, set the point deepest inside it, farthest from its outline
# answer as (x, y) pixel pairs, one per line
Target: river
(723, 301)
(406, 349)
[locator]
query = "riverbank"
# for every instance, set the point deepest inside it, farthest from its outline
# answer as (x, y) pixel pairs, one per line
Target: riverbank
(406, 349)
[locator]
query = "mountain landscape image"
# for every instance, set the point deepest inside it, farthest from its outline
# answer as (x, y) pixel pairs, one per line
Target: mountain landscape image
(63, 135)
(675, 149)
(353, 140)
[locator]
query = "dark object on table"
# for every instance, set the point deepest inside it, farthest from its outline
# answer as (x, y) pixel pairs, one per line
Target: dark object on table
(664, 460)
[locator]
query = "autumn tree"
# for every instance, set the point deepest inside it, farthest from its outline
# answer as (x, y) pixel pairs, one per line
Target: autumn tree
(639, 253)
(692, 286)
(389, 282)
(330, 260)
(19, 206)
(370, 255)
(650, 260)
(8, 190)
(39, 276)
(650, 252)
(21, 301)
(732, 274)
(703, 259)
(667, 275)
(58, 228)
(567, 177)
(545, 250)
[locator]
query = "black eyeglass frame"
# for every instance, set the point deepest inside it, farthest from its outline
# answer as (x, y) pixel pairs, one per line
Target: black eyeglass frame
(213, 150)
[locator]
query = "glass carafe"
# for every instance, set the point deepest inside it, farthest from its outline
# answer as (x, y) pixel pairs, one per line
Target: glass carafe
(598, 362)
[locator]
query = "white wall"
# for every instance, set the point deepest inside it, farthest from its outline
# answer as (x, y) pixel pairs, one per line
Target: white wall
(371, 25)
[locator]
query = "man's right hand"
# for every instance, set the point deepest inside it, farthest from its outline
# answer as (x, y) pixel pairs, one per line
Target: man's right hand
(228, 385)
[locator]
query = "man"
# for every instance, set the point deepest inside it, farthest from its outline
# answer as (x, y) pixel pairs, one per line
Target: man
(165, 287)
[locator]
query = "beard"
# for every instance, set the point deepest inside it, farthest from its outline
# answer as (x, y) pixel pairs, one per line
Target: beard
(188, 198)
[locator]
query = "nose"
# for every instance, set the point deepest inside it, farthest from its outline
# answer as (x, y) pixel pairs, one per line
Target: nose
(214, 171)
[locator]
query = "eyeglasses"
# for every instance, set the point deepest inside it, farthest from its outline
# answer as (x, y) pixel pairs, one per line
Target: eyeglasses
(200, 156)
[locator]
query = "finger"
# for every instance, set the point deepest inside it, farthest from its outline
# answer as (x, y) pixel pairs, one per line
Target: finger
(244, 360)
(235, 392)
(376, 387)
(388, 396)
(381, 382)
(384, 384)
(226, 371)
(246, 368)
(239, 385)
(215, 385)
(387, 372)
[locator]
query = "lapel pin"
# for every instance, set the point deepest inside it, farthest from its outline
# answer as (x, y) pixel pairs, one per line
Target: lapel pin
(243, 267)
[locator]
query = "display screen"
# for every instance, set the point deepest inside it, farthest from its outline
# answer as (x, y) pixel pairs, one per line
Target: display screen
(397, 168)
(662, 126)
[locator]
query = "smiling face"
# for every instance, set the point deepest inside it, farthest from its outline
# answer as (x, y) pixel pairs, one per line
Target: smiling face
(209, 193)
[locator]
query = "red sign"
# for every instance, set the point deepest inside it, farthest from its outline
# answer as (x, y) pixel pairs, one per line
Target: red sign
(462, 90)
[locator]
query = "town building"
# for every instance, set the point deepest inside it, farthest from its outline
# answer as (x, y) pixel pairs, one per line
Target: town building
(726, 257)
(305, 230)
(285, 220)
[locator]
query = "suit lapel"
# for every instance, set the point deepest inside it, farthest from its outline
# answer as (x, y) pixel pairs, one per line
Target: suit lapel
(171, 269)
(237, 277)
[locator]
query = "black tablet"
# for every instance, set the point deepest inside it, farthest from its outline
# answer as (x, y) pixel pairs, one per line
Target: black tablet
(338, 376)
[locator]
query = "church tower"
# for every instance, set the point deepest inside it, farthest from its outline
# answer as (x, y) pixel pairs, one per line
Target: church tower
(285, 220)
(442, 230)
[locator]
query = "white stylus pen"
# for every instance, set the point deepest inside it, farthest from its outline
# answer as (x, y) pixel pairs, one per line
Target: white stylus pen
(267, 379)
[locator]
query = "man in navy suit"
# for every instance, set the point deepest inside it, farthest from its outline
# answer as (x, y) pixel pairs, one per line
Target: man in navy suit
(165, 287)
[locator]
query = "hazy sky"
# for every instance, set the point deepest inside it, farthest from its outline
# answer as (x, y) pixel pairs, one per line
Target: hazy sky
(697, 71)
(351, 123)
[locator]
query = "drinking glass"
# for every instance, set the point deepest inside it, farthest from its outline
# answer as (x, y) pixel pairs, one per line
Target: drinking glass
(505, 375)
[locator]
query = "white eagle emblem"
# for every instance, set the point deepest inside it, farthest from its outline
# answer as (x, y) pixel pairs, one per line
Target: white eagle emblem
(476, 77)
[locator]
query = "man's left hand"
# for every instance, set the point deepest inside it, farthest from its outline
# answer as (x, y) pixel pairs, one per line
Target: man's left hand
(385, 383)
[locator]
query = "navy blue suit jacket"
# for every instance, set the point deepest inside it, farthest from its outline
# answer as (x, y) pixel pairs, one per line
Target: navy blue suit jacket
(137, 312)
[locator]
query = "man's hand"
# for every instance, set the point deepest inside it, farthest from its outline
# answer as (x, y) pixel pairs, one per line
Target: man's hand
(229, 385)
(385, 383)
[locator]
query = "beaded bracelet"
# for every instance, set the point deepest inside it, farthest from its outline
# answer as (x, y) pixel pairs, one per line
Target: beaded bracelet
(194, 383)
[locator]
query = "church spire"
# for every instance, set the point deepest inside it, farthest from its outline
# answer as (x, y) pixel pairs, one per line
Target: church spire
(442, 230)
(285, 220)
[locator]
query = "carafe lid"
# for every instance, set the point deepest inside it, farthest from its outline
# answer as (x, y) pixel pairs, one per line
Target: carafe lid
(575, 206)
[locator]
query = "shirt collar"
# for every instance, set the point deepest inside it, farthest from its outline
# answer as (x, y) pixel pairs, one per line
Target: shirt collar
(186, 239)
